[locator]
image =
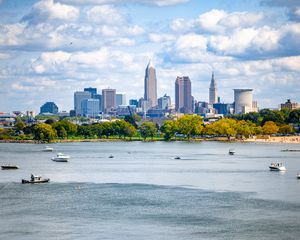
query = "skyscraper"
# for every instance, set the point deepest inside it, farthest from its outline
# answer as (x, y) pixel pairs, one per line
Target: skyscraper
(213, 98)
(78, 98)
(91, 90)
(150, 85)
(108, 100)
(183, 95)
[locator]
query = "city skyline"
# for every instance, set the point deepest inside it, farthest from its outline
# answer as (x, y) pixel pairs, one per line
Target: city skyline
(51, 49)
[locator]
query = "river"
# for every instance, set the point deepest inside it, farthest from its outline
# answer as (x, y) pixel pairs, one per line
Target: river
(144, 193)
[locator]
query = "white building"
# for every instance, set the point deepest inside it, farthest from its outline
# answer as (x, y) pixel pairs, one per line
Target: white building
(243, 101)
(120, 99)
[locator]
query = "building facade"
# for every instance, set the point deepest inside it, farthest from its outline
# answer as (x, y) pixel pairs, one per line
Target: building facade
(164, 102)
(108, 100)
(183, 95)
(213, 91)
(79, 96)
(49, 107)
(120, 99)
(92, 91)
(242, 101)
(150, 82)
(289, 105)
(90, 107)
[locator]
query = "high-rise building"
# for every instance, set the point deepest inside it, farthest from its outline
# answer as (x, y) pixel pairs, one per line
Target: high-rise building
(120, 99)
(150, 85)
(164, 102)
(78, 98)
(49, 107)
(242, 101)
(92, 91)
(108, 100)
(99, 97)
(183, 95)
(213, 93)
(90, 107)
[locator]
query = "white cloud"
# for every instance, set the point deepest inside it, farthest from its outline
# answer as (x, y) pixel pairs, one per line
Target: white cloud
(48, 9)
(10, 34)
(158, 38)
(151, 2)
(105, 14)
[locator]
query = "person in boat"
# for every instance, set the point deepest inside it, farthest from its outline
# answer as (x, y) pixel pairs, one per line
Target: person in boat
(32, 177)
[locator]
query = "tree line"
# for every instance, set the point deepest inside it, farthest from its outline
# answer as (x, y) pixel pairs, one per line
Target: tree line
(266, 122)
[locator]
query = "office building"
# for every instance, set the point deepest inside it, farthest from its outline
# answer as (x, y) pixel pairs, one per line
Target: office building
(108, 100)
(120, 99)
(213, 94)
(78, 98)
(49, 107)
(242, 101)
(183, 95)
(150, 93)
(164, 102)
(92, 91)
(223, 108)
(134, 102)
(90, 107)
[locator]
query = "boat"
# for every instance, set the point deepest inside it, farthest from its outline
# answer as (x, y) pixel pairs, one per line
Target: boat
(48, 149)
(290, 150)
(298, 175)
(177, 157)
(36, 179)
(231, 152)
(277, 167)
(111, 156)
(60, 157)
(9, 167)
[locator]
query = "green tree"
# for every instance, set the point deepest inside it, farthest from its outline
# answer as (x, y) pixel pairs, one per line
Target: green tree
(130, 131)
(148, 129)
(168, 128)
(285, 129)
(189, 125)
(20, 125)
(44, 132)
(270, 128)
(70, 128)
(294, 116)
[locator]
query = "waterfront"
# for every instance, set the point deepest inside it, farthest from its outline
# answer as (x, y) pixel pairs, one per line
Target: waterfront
(144, 193)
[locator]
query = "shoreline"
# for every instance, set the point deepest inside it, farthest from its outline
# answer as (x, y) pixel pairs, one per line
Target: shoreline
(257, 139)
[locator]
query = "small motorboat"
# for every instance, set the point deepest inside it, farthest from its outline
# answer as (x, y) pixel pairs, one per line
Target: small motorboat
(231, 152)
(298, 175)
(48, 149)
(60, 157)
(9, 167)
(111, 156)
(177, 158)
(277, 167)
(35, 179)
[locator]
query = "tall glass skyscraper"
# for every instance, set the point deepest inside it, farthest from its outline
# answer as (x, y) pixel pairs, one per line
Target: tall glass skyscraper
(150, 94)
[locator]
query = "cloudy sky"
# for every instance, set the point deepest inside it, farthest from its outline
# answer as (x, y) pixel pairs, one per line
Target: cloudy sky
(51, 48)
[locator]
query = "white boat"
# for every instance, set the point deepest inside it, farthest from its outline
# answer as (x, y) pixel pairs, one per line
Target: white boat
(60, 157)
(231, 152)
(36, 179)
(48, 149)
(277, 167)
(298, 175)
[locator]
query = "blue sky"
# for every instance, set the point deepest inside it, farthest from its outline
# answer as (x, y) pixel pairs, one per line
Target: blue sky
(51, 48)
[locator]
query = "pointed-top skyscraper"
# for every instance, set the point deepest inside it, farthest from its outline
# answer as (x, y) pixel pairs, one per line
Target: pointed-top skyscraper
(213, 95)
(150, 85)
